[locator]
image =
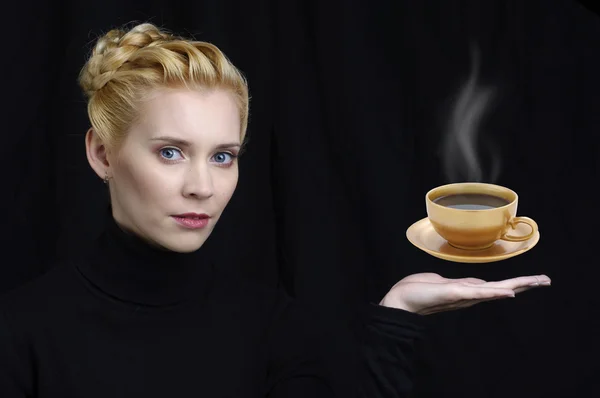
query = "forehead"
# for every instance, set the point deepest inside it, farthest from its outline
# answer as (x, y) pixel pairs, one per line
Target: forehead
(200, 117)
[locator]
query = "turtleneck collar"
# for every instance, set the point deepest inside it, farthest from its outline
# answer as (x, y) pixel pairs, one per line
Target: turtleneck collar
(129, 269)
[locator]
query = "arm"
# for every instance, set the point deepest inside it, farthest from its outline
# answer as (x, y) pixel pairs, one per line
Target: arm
(387, 342)
(296, 356)
(15, 381)
(299, 353)
(387, 335)
(392, 328)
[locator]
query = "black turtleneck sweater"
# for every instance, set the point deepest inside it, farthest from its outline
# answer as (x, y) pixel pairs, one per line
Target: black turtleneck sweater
(128, 320)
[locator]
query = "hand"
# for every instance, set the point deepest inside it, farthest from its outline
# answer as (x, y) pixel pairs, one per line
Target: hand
(428, 293)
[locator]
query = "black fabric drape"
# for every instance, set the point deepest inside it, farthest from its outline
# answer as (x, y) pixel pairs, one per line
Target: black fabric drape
(350, 104)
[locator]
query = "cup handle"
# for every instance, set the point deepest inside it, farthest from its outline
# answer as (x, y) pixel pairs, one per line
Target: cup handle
(520, 220)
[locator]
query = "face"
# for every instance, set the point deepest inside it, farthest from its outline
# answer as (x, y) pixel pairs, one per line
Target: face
(176, 170)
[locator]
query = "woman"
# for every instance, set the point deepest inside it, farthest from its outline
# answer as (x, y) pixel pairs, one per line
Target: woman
(143, 313)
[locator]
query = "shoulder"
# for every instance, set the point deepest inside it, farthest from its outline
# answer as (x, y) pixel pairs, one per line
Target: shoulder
(42, 295)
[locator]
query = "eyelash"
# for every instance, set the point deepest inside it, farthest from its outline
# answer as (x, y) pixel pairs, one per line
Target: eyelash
(168, 161)
(227, 165)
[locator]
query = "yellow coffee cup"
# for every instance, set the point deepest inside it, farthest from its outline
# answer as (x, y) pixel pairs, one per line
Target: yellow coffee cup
(472, 216)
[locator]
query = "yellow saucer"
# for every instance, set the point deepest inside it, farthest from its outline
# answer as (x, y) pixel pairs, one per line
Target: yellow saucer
(422, 235)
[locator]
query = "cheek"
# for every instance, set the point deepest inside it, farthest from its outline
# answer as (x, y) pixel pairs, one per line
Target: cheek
(226, 186)
(145, 181)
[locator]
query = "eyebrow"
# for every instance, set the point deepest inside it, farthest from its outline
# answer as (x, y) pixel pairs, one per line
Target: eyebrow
(182, 142)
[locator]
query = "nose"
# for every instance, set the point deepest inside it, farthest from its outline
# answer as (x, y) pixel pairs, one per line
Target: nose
(198, 182)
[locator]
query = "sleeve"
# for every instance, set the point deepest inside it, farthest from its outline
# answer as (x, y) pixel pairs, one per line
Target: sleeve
(387, 340)
(386, 343)
(14, 379)
(296, 364)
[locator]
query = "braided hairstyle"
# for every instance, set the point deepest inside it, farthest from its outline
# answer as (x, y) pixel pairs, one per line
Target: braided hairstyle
(126, 67)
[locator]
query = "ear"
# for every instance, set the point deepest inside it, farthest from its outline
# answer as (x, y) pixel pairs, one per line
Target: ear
(97, 154)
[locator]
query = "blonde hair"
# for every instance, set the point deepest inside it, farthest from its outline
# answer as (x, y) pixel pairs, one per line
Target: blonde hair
(125, 66)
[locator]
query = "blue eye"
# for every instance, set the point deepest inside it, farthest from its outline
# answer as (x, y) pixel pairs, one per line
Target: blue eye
(170, 153)
(224, 158)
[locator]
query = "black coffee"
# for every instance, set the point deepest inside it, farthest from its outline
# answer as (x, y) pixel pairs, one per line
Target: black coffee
(471, 201)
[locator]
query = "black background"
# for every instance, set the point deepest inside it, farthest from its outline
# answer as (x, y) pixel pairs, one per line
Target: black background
(350, 103)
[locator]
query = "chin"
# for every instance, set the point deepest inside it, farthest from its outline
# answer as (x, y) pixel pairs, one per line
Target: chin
(183, 251)
(184, 245)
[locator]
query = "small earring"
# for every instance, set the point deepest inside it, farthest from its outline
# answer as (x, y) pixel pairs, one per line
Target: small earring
(106, 178)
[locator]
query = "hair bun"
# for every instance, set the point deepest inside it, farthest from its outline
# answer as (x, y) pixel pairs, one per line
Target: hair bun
(126, 65)
(113, 50)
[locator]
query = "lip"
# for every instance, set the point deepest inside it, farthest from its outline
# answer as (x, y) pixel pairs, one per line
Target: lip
(192, 220)
(192, 215)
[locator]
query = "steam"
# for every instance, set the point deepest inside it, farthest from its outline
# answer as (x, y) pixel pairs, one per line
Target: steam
(461, 158)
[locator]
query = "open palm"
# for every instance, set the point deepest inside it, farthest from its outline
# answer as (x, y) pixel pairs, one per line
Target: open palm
(428, 293)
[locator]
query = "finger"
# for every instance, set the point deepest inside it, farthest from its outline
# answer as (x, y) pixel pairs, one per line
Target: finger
(425, 277)
(457, 305)
(471, 281)
(526, 288)
(457, 292)
(490, 299)
(523, 289)
(521, 282)
(445, 307)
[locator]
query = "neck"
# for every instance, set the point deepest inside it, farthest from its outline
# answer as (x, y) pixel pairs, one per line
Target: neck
(128, 268)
